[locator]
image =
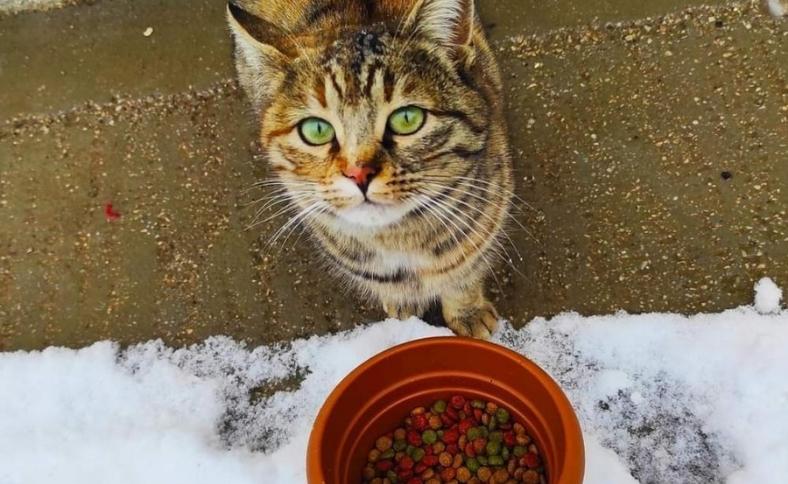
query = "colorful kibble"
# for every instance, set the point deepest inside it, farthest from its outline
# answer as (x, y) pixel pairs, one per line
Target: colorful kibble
(383, 444)
(435, 422)
(493, 448)
(418, 454)
(502, 415)
(484, 474)
(457, 440)
(463, 474)
(429, 436)
(439, 406)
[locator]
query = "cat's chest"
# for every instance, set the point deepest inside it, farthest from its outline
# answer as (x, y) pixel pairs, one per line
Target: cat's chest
(395, 260)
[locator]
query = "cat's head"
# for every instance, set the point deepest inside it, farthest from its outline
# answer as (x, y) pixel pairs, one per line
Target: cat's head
(368, 109)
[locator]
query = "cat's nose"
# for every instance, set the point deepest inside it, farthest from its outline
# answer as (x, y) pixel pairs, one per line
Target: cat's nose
(362, 175)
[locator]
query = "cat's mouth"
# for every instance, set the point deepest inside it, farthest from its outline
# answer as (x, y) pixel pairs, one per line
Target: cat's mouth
(370, 213)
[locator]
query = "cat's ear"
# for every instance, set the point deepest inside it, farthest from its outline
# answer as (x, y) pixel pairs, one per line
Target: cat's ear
(260, 63)
(448, 22)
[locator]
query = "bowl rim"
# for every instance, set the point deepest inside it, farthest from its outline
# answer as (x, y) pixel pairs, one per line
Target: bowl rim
(568, 417)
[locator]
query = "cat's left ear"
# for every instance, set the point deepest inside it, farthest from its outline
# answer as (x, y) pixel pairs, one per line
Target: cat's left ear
(259, 58)
(448, 22)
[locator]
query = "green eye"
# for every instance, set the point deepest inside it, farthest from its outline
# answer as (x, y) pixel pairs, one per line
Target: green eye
(316, 131)
(407, 120)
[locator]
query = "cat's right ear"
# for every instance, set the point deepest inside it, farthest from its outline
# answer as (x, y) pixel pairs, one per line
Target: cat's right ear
(259, 62)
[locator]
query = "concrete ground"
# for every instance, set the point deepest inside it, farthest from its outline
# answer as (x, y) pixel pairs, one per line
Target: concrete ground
(651, 142)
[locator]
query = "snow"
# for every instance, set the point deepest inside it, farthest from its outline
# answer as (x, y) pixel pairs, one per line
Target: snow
(778, 8)
(661, 398)
(15, 6)
(767, 296)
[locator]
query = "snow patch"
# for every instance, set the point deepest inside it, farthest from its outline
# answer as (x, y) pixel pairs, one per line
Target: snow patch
(767, 296)
(660, 397)
(15, 6)
(778, 8)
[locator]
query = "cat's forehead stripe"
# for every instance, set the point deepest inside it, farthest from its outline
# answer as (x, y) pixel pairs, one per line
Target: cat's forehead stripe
(337, 83)
(320, 92)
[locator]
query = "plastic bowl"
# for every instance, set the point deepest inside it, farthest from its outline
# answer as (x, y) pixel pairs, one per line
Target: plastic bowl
(376, 396)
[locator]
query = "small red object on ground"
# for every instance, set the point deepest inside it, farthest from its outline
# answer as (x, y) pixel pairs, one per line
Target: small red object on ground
(110, 213)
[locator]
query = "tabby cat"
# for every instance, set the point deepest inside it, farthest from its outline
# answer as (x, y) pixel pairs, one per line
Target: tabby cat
(382, 122)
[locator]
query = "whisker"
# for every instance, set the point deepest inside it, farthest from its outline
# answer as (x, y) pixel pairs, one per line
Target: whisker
(450, 217)
(289, 205)
(484, 214)
(506, 212)
(294, 219)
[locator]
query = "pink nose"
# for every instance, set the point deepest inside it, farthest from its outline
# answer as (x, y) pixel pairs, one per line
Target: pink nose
(362, 175)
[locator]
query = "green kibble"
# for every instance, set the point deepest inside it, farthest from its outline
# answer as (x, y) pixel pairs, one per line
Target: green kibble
(417, 455)
(388, 454)
(496, 460)
(482, 459)
(484, 431)
(493, 423)
(505, 453)
(502, 416)
(474, 433)
(472, 465)
(439, 406)
(409, 450)
(493, 448)
(478, 404)
(400, 445)
(496, 436)
(429, 436)
(392, 476)
(519, 451)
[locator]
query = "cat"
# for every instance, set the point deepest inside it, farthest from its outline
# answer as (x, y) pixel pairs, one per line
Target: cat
(383, 125)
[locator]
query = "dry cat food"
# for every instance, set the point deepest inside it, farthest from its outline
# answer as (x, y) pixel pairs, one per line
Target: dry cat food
(456, 441)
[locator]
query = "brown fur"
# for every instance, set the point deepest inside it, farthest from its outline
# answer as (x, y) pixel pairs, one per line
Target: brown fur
(440, 196)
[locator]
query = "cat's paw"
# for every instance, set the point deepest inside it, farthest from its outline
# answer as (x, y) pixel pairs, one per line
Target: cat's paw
(479, 321)
(402, 311)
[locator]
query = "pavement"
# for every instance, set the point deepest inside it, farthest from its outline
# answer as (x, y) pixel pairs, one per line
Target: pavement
(651, 143)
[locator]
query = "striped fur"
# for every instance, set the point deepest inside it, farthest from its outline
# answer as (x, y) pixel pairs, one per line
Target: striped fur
(429, 226)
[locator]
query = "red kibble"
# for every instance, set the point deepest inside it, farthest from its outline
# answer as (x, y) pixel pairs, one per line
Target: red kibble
(452, 413)
(384, 465)
(446, 420)
(479, 445)
(414, 438)
(420, 422)
(467, 408)
(531, 460)
(415, 480)
(406, 462)
(451, 435)
(452, 449)
(448, 474)
(467, 424)
(430, 460)
(477, 415)
(457, 401)
(509, 439)
(469, 450)
(420, 467)
(405, 474)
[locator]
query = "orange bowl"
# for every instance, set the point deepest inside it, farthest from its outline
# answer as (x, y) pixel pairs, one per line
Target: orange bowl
(379, 394)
